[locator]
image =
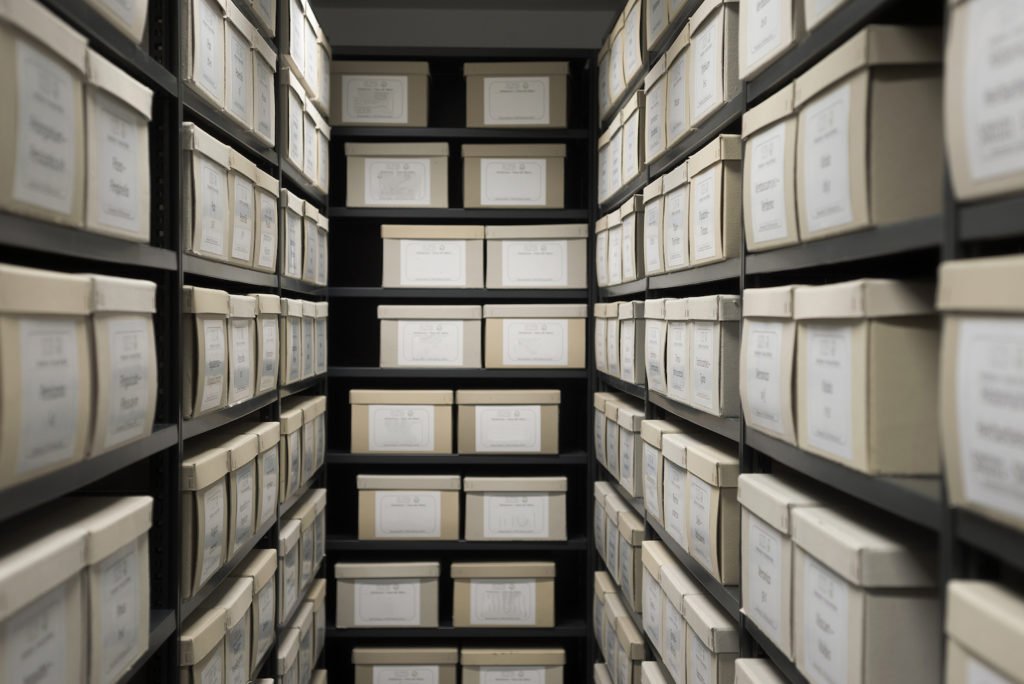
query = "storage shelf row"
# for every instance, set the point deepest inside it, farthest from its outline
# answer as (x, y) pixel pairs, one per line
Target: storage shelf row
(459, 214)
(378, 133)
(633, 390)
(729, 115)
(294, 181)
(570, 629)
(345, 458)
(464, 294)
(726, 427)
(629, 289)
(698, 275)
(458, 373)
(220, 125)
(353, 545)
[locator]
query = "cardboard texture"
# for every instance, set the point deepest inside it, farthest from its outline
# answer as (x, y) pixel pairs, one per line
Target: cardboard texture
(767, 357)
(389, 421)
(535, 335)
(397, 175)
(514, 176)
(757, 671)
(516, 94)
(408, 507)
(984, 625)
(433, 256)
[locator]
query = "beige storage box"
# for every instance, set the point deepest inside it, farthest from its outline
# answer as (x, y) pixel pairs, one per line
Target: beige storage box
(611, 435)
(611, 338)
(288, 569)
(242, 490)
(323, 229)
(600, 336)
(397, 175)
(238, 67)
(655, 107)
(632, 364)
(242, 360)
(653, 239)
(678, 341)
(601, 251)
(288, 653)
(677, 93)
(535, 335)
(634, 47)
(291, 451)
(609, 160)
(409, 506)
(615, 610)
(404, 421)
(632, 117)
(433, 665)
(310, 243)
(304, 622)
(676, 218)
(714, 49)
(308, 338)
(433, 256)
(293, 209)
(653, 555)
(866, 375)
(310, 140)
(604, 586)
(984, 628)
(438, 336)
(767, 31)
(629, 651)
(515, 508)
(604, 100)
(206, 350)
(203, 49)
(515, 594)
(317, 599)
(651, 673)
(716, 200)
(655, 334)
(268, 346)
(768, 502)
(321, 311)
(268, 469)
(769, 173)
(757, 671)
(126, 367)
(981, 325)
(712, 470)
(118, 110)
(601, 675)
(128, 18)
(614, 505)
(319, 497)
(656, 21)
(201, 646)
(235, 599)
(869, 148)
(267, 229)
(205, 202)
(516, 94)
(264, 67)
(677, 585)
(713, 641)
(386, 594)
(516, 176)
(767, 354)
(204, 515)
(615, 240)
(630, 215)
(674, 490)
(631, 535)
(261, 566)
(379, 93)
(293, 98)
(630, 453)
(291, 341)
(601, 489)
(508, 421)
(485, 665)
(651, 434)
(859, 590)
(714, 353)
(537, 257)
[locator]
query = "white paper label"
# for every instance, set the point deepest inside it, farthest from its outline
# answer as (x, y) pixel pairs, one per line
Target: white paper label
(632, 60)
(378, 99)
(617, 78)
(513, 429)
(242, 227)
(241, 360)
(266, 602)
(678, 361)
(49, 392)
(513, 182)
(432, 263)
(631, 146)
(706, 76)
(652, 237)
(612, 342)
(675, 503)
(240, 90)
(512, 675)
(829, 388)
(270, 472)
(673, 645)
(825, 620)
(762, 345)
(386, 603)
(654, 341)
(269, 349)
(521, 515)
(214, 500)
(292, 245)
(401, 428)
(654, 124)
(980, 673)
(535, 342)
(118, 608)
(601, 256)
(825, 146)
(520, 101)
(676, 120)
(264, 100)
(293, 358)
(599, 434)
(629, 248)
(295, 124)
(430, 343)
(627, 350)
(615, 256)
(767, 184)
(700, 661)
(121, 134)
(404, 513)
(534, 263)
(762, 598)
(767, 27)
(704, 215)
(266, 249)
(397, 182)
(615, 162)
(211, 186)
(612, 447)
(652, 473)
(406, 674)
(676, 229)
(36, 640)
(208, 43)
(245, 497)
(704, 370)
(502, 602)
(236, 641)
(652, 608)
(627, 466)
(702, 545)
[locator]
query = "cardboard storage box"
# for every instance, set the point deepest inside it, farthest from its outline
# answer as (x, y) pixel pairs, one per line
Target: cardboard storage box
(984, 626)
(653, 556)
(632, 349)
(767, 354)
(857, 591)
(604, 586)
(611, 339)
(866, 375)
(678, 341)
(206, 350)
(535, 335)
(517, 176)
(869, 142)
(433, 256)
(602, 311)
(310, 141)
(629, 651)
(768, 502)
(242, 489)
(677, 95)
(634, 46)
(288, 568)
(508, 421)
(268, 346)
(267, 191)
(304, 622)
(203, 49)
(201, 646)
(205, 199)
(379, 93)
(268, 469)
(288, 655)
(714, 353)
(317, 598)
(651, 434)
(515, 508)
(713, 514)
(609, 160)
(291, 341)
(516, 94)
(238, 66)
(601, 489)
(373, 665)
(630, 452)
(614, 506)
(384, 595)
(293, 100)
(293, 209)
(540, 665)
(629, 577)
(311, 243)
(674, 490)
(129, 19)
(632, 116)
(397, 175)
(408, 507)
(630, 215)
(611, 437)
(118, 110)
(242, 362)
(655, 334)
(319, 497)
(308, 338)
(291, 451)
(537, 257)
(676, 585)
(766, 32)
(615, 270)
(713, 641)
(264, 68)
(515, 594)
(653, 231)
(410, 421)
(769, 173)
(651, 673)
(716, 200)
(714, 48)
(676, 218)
(440, 336)
(655, 109)
(321, 311)
(235, 600)
(261, 566)
(318, 407)
(292, 37)
(757, 671)
(204, 515)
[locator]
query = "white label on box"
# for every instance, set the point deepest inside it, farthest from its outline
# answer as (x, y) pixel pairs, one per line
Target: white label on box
(654, 341)
(379, 99)
(612, 343)
(128, 403)
(825, 620)
(292, 244)
(629, 248)
(627, 350)
(599, 433)
(401, 428)
(404, 513)
(677, 122)
(512, 675)
(989, 400)
(503, 602)
(266, 250)
(293, 358)
(980, 673)
(631, 146)
(50, 379)
(508, 428)
(678, 361)
(236, 641)
(270, 473)
(214, 500)
(612, 447)
(122, 135)
(241, 359)
(617, 78)
(36, 639)
(521, 515)
(652, 470)
(627, 467)
(825, 150)
(767, 24)
(294, 441)
(601, 256)
(654, 124)
(240, 92)
(213, 671)
(767, 184)
(652, 236)
(705, 215)
(406, 674)
(264, 101)
(513, 182)
(534, 263)
(266, 602)
(763, 348)
(652, 608)
(520, 101)
(817, 9)
(430, 343)
(295, 123)
(675, 503)
(702, 545)
(386, 602)
(632, 59)
(992, 100)
(269, 361)
(615, 162)
(706, 76)
(677, 240)
(700, 660)
(705, 365)
(432, 263)
(829, 388)
(211, 202)
(535, 342)
(673, 645)
(615, 256)
(244, 500)
(762, 599)
(118, 608)
(208, 44)
(397, 182)
(241, 231)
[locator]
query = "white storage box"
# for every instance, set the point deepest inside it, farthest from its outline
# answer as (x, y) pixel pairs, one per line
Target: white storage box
(766, 361)
(676, 218)
(264, 67)
(604, 100)
(631, 453)
(614, 611)
(767, 31)
(291, 341)
(293, 35)
(288, 656)
(716, 200)
(287, 568)
(632, 117)
(205, 387)
(265, 12)
(508, 421)
(712, 471)
(656, 21)
(537, 257)
(203, 50)
(600, 400)
(433, 256)
(389, 421)
(678, 343)
(535, 335)
(205, 201)
(653, 555)
(204, 515)
(712, 642)
(439, 336)
(242, 362)
(317, 598)
(308, 338)
(601, 675)
(293, 209)
(630, 577)
(677, 585)
(291, 451)
(632, 350)
(616, 73)
(310, 141)
(485, 665)
(601, 489)
(714, 49)
(323, 90)
(984, 626)
(651, 434)
(268, 346)
(323, 154)
(379, 93)
(323, 226)
(387, 594)
(267, 229)
(515, 508)
(655, 108)
(604, 586)
(435, 665)
(293, 99)
(630, 215)
(238, 63)
(304, 622)
(655, 334)
(128, 18)
(242, 212)
(409, 506)
(769, 173)
(397, 175)
(268, 469)
(201, 647)
(516, 94)
(242, 489)
(503, 594)
(714, 353)
(236, 602)
(653, 232)
(320, 334)
(674, 491)
(516, 176)
(261, 566)
(629, 651)
(304, 512)
(677, 95)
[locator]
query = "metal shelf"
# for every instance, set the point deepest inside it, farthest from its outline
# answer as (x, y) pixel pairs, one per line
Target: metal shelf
(351, 545)
(783, 664)
(297, 182)
(440, 293)
(916, 499)
(636, 503)
(459, 373)
(699, 275)
(220, 125)
(162, 624)
(993, 538)
(284, 508)
(300, 386)
(227, 273)
(700, 136)
(221, 417)
(345, 458)
(998, 219)
(726, 427)
(625, 289)
(459, 215)
(402, 133)
(296, 286)
(632, 187)
(573, 629)
(637, 391)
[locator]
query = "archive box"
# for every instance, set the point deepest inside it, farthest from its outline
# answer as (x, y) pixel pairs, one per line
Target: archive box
(440, 336)
(516, 176)
(614, 507)
(323, 155)
(235, 600)
(308, 338)
(508, 421)
(390, 421)
(303, 621)
(616, 272)
(368, 93)
(655, 110)
(261, 566)
(292, 37)
(653, 556)
(433, 256)
(204, 515)
(264, 68)
(631, 535)
(713, 641)
(674, 491)
(288, 569)
(304, 512)
(678, 342)
(767, 31)
(382, 595)
(713, 515)
(629, 651)
(397, 175)
(204, 50)
(601, 675)
(241, 453)
(769, 173)
(602, 312)
(615, 610)
(268, 189)
(714, 353)
(310, 242)
(292, 99)
(716, 200)
(268, 468)
(651, 434)
(677, 93)
(292, 210)
(611, 437)
(291, 340)
(601, 489)
(510, 594)
(435, 665)
(656, 21)
(653, 240)
(537, 257)
(632, 117)
(984, 626)
(655, 333)
(676, 585)
(604, 586)
(631, 218)
(816, 13)
(634, 46)
(321, 310)
(515, 508)
(675, 226)
(128, 19)
(312, 409)
(206, 350)
(632, 350)
(757, 671)
(650, 673)
(767, 353)
(609, 160)
(241, 348)
(288, 655)
(616, 72)
(535, 335)
(714, 49)
(310, 141)
(516, 94)
(201, 646)
(540, 665)
(291, 451)
(238, 66)
(317, 599)
(630, 452)
(205, 202)
(409, 506)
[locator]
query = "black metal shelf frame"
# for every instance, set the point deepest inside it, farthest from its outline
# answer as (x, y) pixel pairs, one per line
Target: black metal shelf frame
(458, 373)
(619, 385)
(377, 133)
(465, 294)
(564, 459)
(457, 215)
(633, 287)
(573, 629)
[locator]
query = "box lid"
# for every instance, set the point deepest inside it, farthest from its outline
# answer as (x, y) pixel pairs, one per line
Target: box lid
(264, 49)
(198, 140)
(651, 431)
(386, 570)
(726, 147)
(318, 677)
(310, 211)
(501, 570)
(678, 45)
(677, 309)
(988, 620)
(713, 461)
(515, 68)
(513, 656)
(677, 585)
(631, 206)
(676, 178)
(650, 673)
(654, 309)
(260, 565)
(201, 300)
(464, 312)
(768, 302)
(201, 634)
(109, 523)
(535, 310)
(35, 291)
(631, 527)
(293, 202)
(203, 465)
(407, 655)
(601, 675)
(603, 583)
(989, 284)
(291, 307)
(711, 625)
(391, 68)
(439, 397)
(321, 309)
(632, 105)
(404, 232)
(864, 298)
(655, 73)
(630, 310)
(267, 183)
(874, 45)
(867, 551)
(772, 498)
(611, 407)
(654, 554)
(629, 638)
(288, 650)
(242, 449)
(396, 149)
(614, 608)
(601, 490)
(241, 306)
(267, 304)
(288, 80)
(267, 434)
(409, 482)
(240, 164)
(774, 109)
(516, 151)
(559, 231)
(653, 190)
(714, 308)
(35, 558)
(102, 73)
(235, 600)
(508, 397)
(288, 536)
(46, 27)
(516, 484)
(601, 224)
(630, 417)
(673, 448)
(122, 295)
(291, 420)
(317, 593)
(705, 10)
(757, 671)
